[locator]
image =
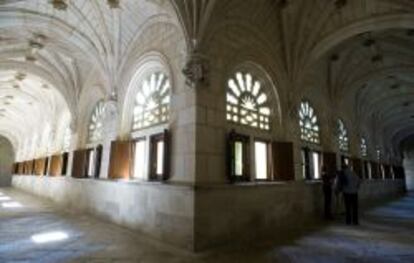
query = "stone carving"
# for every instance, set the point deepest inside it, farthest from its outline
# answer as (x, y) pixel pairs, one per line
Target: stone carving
(196, 70)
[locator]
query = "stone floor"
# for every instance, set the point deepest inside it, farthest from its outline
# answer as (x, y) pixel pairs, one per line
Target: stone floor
(386, 234)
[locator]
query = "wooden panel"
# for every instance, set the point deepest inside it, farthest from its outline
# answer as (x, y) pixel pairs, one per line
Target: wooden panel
(39, 166)
(283, 163)
(120, 160)
(20, 168)
(24, 167)
(167, 155)
(30, 167)
(79, 163)
(56, 165)
(65, 159)
(329, 162)
(98, 161)
(375, 170)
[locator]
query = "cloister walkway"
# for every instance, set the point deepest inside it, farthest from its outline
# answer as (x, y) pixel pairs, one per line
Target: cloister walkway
(35, 230)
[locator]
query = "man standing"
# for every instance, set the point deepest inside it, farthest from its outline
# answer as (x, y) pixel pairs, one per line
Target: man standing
(349, 185)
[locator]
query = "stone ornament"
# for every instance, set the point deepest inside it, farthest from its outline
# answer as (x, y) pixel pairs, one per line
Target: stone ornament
(196, 70)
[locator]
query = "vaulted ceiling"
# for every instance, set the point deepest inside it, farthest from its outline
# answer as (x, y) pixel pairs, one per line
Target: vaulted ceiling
(56, 45)
(367, 46)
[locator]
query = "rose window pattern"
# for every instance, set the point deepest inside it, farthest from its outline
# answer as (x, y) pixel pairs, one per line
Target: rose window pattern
(96, 123)
(343, 140)
(247, 102)
(152, 102)
(308, 122)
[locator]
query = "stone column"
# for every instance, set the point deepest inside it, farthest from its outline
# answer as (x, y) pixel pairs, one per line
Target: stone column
(205, 135)
(109, 134)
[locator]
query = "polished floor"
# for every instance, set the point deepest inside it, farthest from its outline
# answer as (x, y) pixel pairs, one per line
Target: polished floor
(34, 230)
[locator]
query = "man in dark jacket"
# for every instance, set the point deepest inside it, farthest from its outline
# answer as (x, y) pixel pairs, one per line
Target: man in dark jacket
(349, 184)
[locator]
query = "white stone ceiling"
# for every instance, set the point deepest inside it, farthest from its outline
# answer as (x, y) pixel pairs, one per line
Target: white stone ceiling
(89, 36)
(86, 38)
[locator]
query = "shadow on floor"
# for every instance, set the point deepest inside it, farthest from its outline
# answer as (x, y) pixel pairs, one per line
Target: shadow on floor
(386, 234)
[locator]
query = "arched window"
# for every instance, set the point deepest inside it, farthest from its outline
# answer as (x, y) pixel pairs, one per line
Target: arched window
(152, 101)
(308, 122)
(343, 140)
(95, 129)
(247, 102)
(364, 148)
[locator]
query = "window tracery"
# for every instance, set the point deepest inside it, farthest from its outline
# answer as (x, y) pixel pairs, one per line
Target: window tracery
(247, 102)
(95, 128)
(308, 122)
(364, 147)
(343, 139)
(152, 102)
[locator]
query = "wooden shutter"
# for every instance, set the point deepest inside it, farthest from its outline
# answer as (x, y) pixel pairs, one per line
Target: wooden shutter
(98, 160)
(167, 155)
(306, 159)
(39, 166)
(46, 166)
(16, 168)
(65, 159)
(31, 167)
(56, 165)
(79, 163)
(24, 167)
(154, 140)
(374, 170)
(231, 140)
(329, 162)
(20, 168)
(271, 173)
(283, 162)
(120, 160)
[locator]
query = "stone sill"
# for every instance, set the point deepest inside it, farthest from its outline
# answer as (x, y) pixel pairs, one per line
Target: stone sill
(256, 184)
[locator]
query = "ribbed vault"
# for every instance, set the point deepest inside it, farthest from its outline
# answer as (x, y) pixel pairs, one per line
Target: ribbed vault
(56, 48)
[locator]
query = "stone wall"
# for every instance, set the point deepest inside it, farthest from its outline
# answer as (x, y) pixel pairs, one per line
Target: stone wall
(228, 214)
(6, 162)
(164, 212)
(408, 164)
(207, 217)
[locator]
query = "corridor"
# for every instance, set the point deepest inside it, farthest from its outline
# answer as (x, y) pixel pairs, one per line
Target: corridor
(34, 230)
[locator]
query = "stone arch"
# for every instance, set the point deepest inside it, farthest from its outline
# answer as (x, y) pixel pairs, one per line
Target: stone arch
(271, 89)
(85, 115)
(316, 112)
(148, 63)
